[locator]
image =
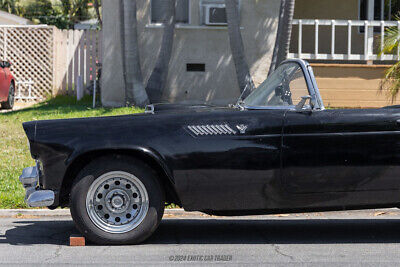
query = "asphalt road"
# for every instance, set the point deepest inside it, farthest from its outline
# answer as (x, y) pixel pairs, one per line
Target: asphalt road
(367, 238)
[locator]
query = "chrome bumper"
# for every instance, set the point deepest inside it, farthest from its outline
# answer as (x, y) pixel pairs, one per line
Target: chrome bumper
(35, 197)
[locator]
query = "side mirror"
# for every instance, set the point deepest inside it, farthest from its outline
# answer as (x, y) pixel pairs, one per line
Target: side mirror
(6, 64)
(301, 105)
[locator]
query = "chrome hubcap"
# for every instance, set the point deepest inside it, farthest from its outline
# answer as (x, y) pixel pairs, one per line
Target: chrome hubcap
(117, 202)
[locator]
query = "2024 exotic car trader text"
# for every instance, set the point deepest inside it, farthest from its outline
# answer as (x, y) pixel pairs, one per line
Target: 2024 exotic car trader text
(276, 151)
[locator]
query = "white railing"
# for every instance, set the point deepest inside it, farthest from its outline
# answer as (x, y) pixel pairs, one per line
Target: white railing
(368, 39)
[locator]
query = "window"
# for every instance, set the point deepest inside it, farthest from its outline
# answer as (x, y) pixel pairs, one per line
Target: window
(158, 8)
(213, 12)
(383, 9)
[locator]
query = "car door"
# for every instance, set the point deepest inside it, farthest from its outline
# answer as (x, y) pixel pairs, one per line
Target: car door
(241, 170)
(340, 151)
(3, 85)
(229, 160)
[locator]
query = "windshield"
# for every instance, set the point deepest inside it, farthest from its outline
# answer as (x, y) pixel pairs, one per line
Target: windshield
(284, 87)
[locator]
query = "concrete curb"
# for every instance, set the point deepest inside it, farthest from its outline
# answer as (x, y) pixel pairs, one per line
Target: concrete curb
(65, 212)
(171, 213)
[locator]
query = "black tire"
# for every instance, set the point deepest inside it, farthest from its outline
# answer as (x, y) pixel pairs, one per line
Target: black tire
(94, 170)
(9, 104)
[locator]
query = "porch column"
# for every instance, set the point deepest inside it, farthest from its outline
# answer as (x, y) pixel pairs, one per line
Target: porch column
(370, 41)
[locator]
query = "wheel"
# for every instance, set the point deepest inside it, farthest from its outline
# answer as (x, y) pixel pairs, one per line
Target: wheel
(9, 104)
(117, 200)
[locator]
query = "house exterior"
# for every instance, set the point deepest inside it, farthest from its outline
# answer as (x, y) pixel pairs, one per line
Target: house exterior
(342, 38)
(10, 19)
(201, 67)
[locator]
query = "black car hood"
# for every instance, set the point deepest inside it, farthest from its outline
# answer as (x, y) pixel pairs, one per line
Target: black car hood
(33, 127)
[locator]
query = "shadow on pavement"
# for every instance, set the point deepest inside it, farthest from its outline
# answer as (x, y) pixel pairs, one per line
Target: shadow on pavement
(28, 232)
(227, 231)
(279, 231)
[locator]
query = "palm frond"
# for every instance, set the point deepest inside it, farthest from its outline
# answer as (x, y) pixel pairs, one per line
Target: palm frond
(391, 81)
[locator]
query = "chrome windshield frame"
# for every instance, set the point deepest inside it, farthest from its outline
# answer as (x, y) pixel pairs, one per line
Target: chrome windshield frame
(311, 85)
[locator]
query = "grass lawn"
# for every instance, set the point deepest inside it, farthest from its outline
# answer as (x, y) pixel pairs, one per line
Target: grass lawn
(13, 142)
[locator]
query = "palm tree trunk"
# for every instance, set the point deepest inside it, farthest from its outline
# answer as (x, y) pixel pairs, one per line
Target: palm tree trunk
(286, 30)
(236, 43)
(135, 93)
(97, 9)
(284, 33)
(274, 59)
(158, 78)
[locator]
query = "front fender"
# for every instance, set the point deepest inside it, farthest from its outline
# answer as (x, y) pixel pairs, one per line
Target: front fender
(134, 151)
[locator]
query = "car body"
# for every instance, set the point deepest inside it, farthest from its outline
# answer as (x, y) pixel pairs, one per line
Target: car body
(7, 85)
(271, 153)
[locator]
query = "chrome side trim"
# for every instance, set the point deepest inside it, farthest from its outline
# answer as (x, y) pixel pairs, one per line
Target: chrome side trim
(342, 133)
(221, 129)
(207, 130)
(230, 130)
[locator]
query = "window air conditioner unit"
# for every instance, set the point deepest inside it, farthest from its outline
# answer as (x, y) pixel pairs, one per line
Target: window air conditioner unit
(215, 14)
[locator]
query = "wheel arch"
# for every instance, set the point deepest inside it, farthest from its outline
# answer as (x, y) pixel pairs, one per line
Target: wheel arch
(146, 155)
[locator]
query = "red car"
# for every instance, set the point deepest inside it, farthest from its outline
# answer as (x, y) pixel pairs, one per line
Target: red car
(7, 86)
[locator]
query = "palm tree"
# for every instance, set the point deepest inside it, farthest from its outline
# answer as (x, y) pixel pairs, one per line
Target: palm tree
(96, 5)
(391, 80)
(158, 78)
(236, 43)
(274, 59)
(9, 6)
(286, 30)
(135, 93)
(283, 35)
(75, 10)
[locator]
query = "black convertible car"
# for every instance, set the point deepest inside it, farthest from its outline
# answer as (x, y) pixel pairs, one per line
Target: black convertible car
(276, 151)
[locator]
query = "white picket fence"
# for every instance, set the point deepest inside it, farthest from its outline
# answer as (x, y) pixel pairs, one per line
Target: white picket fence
(48, 61)
(78, 59)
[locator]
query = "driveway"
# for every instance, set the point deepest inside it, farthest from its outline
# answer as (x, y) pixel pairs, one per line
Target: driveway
(18, 106)
(347, 238)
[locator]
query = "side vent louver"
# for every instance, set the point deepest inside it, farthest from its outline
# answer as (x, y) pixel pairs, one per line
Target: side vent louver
(204, 130)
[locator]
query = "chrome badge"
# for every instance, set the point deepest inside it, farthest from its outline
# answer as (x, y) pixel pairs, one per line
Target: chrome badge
(242, 128)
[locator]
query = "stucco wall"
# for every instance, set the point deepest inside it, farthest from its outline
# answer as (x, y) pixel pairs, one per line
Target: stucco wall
(194, 43)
